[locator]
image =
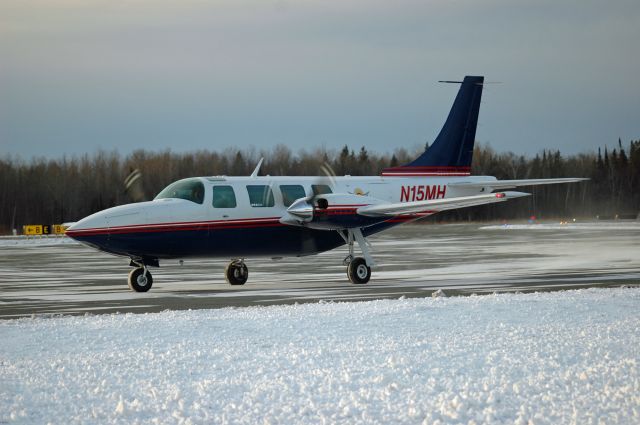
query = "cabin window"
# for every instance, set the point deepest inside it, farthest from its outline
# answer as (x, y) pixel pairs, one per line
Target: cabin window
(189, 189)
(320, 189)
(291, 192)
(260, 195)
(223, 197)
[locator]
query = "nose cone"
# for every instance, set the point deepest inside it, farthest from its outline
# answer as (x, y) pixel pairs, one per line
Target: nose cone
(95, 230)
(92, 230)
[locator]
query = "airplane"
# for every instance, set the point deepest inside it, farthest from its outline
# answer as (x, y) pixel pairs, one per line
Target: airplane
(277, 216)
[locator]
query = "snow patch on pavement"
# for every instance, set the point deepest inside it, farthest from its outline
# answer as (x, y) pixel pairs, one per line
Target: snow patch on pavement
(39, 241)
(561, 357)
(590, 226)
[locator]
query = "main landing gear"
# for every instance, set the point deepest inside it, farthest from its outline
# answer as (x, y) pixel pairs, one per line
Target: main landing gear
(358, 268)
(358, 272)
(237, 272)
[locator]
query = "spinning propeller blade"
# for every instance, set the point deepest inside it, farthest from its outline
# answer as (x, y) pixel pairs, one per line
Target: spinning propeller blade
(133, 186)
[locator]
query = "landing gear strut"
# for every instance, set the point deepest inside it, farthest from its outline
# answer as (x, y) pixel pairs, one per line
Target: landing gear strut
(140, 279)
(358, 268)
(237, 272)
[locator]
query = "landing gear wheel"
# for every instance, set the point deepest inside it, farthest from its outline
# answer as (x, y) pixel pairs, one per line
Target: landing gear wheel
(237, 273)
(140, 280)
(358, 271)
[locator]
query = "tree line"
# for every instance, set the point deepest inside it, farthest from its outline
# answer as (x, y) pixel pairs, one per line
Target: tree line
(50, 191)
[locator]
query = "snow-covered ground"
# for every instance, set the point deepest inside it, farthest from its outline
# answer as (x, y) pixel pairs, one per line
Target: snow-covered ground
(560, 357)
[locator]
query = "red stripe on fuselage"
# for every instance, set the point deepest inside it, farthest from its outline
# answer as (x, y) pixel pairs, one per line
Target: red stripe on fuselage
(429, 168)
(332, 210)
(425, 174)
(178, 226)
(426, 171)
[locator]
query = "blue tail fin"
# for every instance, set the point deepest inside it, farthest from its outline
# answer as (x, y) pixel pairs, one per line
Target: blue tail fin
(452, 151)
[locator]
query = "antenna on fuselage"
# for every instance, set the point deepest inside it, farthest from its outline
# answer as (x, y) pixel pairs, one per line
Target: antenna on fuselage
(257, 170)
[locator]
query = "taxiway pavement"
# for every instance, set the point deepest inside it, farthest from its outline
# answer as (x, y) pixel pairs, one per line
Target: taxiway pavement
(57, 276)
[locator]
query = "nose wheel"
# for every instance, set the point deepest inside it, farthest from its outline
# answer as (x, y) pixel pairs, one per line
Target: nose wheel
(237, 272)
(140, 279)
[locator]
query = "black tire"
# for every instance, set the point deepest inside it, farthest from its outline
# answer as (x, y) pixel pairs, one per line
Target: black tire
(237, 273)
(358, 271)
(139, 281)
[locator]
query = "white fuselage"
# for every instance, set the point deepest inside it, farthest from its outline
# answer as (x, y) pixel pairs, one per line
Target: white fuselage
(209, 225)
(171, 210)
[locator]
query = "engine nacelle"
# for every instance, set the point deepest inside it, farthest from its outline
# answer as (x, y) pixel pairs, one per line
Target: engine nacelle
(335, 211)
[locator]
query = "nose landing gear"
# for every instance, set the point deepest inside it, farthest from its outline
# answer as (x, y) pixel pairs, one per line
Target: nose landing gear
(237, 272)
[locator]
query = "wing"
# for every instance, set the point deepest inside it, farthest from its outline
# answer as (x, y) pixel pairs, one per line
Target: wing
(436, 205)
(507, 184)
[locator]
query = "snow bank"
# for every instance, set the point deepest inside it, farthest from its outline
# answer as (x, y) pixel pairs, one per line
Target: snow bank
(562, 357)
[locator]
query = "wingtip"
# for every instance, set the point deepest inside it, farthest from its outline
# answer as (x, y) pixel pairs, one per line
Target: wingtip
(512, 194)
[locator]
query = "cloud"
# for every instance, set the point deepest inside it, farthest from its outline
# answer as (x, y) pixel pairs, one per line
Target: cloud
(304, 72)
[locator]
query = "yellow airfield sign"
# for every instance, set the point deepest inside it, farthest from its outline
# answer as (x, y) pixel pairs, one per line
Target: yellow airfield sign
(32, 229)
(42, 229)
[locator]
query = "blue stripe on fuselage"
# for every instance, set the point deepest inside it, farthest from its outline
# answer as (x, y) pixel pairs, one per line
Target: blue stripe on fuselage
(224, 243)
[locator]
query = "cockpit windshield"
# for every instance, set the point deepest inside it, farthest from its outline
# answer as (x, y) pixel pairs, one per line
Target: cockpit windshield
(189, 189)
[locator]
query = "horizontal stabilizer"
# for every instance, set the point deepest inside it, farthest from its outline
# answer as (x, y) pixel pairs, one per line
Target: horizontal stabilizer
(507, 184)
(436, 205)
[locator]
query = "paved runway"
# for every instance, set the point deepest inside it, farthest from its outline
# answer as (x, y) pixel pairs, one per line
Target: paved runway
(58, 276)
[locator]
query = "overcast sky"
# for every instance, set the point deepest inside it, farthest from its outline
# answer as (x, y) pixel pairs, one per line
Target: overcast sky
(79, 75)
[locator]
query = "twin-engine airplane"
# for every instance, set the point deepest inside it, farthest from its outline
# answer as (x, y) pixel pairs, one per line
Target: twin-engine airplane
(243, 217)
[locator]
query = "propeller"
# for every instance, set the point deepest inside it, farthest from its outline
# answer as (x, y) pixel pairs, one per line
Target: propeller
(133, 186)
(303, 208)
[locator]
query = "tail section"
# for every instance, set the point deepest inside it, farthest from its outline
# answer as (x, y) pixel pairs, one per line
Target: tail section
(452, 151)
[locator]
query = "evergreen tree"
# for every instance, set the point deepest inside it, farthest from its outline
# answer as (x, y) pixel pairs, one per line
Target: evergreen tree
(43, 191)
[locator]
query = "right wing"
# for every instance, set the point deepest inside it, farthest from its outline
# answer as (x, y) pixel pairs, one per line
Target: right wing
(435, 205)
(507, 184)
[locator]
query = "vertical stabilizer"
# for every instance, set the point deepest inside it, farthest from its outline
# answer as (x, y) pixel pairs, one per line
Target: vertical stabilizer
(452, 151)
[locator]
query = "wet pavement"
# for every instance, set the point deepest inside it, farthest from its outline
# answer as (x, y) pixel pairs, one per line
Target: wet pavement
(58, 276)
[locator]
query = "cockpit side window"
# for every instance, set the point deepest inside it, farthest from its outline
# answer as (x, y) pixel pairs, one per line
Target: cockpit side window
(189, 189)
(291, 192)
(260, 196)
(320, 189)
(223, 197)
